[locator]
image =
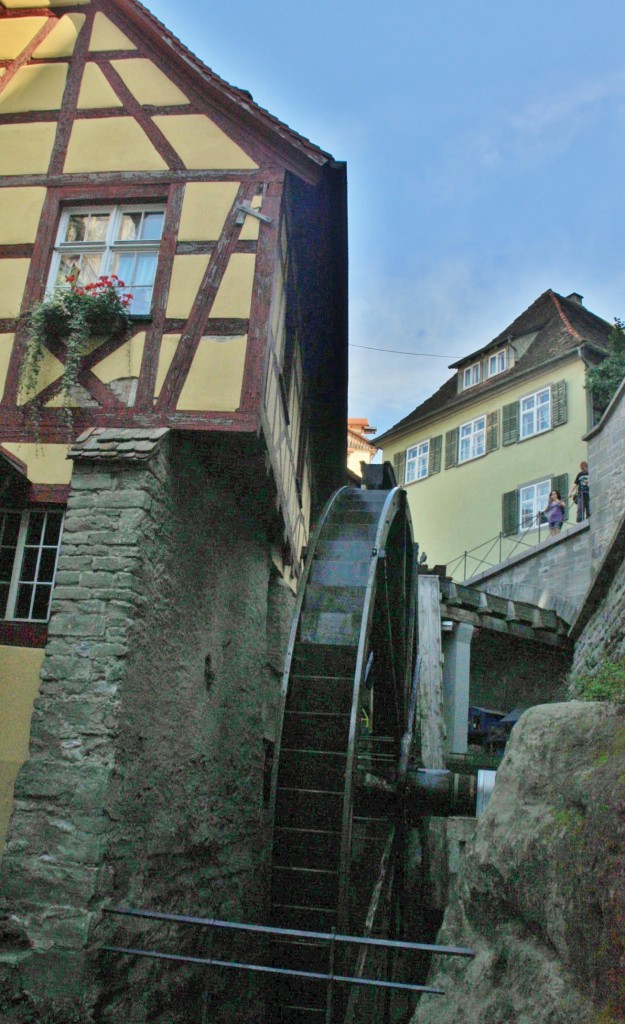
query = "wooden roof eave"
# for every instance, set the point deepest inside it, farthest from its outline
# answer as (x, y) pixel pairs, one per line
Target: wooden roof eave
(296, 152)
(463, 397)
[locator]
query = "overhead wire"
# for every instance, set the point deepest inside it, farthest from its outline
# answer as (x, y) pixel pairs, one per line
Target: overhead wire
(403, 352)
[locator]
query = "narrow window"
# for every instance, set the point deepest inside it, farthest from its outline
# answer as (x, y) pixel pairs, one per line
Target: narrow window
(417, 461)
(536, 413)
(29, 548)
(497, 362)
(532, 500)
(110, 240)
(472, 375)
(472, 439)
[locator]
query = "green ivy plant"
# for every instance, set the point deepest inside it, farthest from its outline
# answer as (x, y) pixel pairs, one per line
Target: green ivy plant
(74, 315)
(607, 683)
(603, 380)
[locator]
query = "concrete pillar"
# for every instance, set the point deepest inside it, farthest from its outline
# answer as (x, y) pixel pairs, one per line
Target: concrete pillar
(456, 676)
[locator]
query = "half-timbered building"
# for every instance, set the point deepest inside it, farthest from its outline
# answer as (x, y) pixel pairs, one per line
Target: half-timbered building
(153, 513)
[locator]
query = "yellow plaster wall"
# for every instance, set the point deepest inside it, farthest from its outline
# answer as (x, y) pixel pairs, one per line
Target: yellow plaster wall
(111, 144)
(200, 144)
(186, 277)
(6, 347)
(26, 148)
(123, 362)
(47, 463)
(34, 88)
(19, 683)
(95, 91)
(205, 208)
(16, 34)
(13, 275)
(20, 5)
(234, 297)
(216, 376)
(148, 84)
(62, 39)
(169, 344)
(461, 507)
(106, 35)
(20, 210)
(50, 369)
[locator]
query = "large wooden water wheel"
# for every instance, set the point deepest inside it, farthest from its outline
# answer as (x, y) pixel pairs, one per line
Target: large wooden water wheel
(344, 710)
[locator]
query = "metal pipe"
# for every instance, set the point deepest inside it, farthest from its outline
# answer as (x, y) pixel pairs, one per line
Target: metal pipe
(262, 968)
(208, 922)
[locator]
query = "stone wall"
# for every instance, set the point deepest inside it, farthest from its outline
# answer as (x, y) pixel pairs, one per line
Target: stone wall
(144, 784)
(541, 898)
(606, 466)
(554, 574)
(507, 672)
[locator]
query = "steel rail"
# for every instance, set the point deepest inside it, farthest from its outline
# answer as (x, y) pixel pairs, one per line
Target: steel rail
(265, 929)
(264, 969)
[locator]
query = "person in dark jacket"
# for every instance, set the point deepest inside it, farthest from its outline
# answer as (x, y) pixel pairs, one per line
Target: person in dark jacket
(580, 492)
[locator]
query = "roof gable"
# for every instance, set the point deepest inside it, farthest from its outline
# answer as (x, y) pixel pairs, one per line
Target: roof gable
(555, 326)
(174, 102)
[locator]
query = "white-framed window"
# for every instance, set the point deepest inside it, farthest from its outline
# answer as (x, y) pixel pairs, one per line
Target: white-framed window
(472, 439)
(417, 462)
(535, 413)
(532, 500)
(472, 375)
(122, 240)
(497, 363)
(29, 550)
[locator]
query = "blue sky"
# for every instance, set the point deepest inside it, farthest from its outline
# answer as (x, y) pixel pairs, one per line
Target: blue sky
(485, 149)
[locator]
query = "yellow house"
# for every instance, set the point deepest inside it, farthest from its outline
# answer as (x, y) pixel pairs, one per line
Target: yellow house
(359, 447)
(204, 431)
(480, 456)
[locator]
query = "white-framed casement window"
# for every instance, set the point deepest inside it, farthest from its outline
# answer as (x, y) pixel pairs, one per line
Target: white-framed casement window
(417, 462)
(104, 240)
(472, 439)
(535, 413)
(497, 363)
(472, 375)
(532, 500)
(29, 548)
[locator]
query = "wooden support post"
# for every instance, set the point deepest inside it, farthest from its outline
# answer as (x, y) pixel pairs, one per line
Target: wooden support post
(430, 698)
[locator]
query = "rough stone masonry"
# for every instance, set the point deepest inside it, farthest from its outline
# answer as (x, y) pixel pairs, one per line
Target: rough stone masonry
(144, 784)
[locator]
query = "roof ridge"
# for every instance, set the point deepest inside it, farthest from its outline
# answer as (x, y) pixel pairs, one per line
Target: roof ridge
(556, 301)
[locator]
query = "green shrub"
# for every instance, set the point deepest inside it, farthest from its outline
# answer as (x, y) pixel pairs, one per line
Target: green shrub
(607, 683)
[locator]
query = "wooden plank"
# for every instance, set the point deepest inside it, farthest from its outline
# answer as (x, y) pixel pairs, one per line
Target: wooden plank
(430, 693)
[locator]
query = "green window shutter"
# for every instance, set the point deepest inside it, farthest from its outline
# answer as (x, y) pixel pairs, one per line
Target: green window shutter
(510, 512)
(510, 425)
(451, 448)
(399, 465)
(492, 431)
(436, 454)
(561, 485)
(558, 403)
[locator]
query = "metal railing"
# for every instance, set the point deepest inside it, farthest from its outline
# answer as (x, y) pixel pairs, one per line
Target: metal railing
(331, 938)
(479, 558)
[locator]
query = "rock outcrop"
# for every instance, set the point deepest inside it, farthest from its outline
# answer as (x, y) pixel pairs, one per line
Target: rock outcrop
(542, 896)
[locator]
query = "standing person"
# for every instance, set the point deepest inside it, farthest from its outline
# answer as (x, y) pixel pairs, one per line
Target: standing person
(555, 513)
(580, 492)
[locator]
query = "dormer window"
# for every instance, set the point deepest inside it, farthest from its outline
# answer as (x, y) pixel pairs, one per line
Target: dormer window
(497, 363)
(472, 375)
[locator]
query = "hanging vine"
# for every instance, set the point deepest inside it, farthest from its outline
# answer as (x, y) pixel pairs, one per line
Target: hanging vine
(73, 315)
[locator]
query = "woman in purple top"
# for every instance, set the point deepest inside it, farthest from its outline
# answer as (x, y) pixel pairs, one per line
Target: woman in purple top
(555, 513)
